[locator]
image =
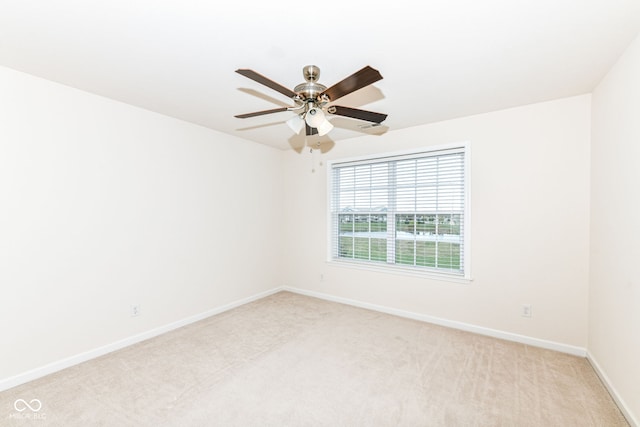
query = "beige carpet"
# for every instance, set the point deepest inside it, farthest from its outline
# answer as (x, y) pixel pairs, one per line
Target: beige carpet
(291, 360)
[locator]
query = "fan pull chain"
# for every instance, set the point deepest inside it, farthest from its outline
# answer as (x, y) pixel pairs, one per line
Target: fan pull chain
(314, 157)
(313, 160)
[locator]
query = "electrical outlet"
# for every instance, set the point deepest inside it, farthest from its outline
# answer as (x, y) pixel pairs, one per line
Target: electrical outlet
(322, 277)
(526, 310)
(135, 310)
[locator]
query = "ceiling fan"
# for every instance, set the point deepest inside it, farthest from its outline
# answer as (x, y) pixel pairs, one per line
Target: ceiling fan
(311, 99)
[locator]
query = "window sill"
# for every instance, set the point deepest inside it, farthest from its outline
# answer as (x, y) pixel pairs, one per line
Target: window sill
(406, 271)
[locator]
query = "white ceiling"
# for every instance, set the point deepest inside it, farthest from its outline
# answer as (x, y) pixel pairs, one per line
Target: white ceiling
(439, 59)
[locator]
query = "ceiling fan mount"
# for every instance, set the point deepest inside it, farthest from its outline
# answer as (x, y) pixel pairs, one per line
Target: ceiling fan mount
(311, 99)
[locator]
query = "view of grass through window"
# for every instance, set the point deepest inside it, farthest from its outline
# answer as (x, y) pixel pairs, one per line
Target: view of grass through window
(363, 237)
(427, 240)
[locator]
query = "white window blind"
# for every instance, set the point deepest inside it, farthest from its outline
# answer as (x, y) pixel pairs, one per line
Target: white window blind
(406, 211)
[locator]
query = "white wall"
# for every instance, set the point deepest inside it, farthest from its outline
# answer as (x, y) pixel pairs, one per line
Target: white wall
(103, 205)
(530, 223)
(614, 299)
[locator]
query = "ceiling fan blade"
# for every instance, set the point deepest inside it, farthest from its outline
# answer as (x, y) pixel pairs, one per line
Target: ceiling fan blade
(309, 130)
(267, 82)
(356, 81)
(355, 113)
(261, 113)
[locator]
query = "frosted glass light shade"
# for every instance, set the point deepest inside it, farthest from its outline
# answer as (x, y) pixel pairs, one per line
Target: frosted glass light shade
(295, 123)
(324, 127)
(316, 119)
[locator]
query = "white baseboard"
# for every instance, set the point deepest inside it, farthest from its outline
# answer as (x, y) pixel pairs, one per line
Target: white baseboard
(633, 421)
(36, 373)
(551, 345)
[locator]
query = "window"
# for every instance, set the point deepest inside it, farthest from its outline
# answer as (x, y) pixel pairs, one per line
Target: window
(406, 211)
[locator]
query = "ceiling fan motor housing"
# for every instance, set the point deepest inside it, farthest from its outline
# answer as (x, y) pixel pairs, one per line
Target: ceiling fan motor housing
(310, 90)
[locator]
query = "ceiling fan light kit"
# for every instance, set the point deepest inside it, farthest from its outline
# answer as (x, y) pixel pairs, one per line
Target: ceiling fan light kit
(311, 99)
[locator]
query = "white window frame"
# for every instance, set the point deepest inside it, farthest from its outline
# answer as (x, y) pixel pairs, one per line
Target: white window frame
(425, 272)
